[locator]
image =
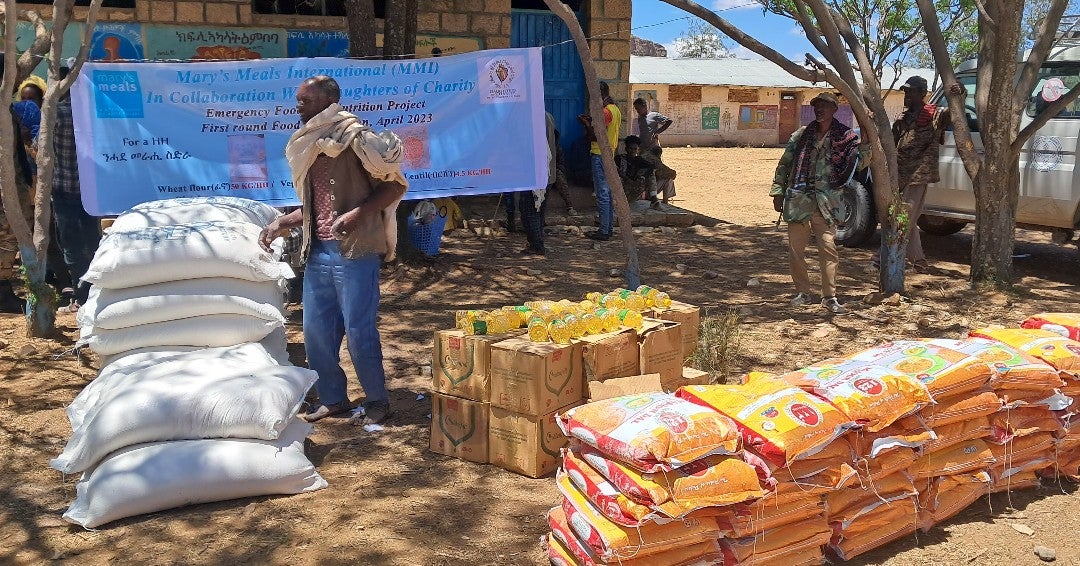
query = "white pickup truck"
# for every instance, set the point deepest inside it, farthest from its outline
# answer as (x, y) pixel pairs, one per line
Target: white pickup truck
(1049, 181)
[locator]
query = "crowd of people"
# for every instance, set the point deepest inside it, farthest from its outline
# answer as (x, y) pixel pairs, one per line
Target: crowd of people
(75, 233)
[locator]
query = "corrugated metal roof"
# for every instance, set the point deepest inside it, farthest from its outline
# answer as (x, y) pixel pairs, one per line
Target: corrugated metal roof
(732, 72)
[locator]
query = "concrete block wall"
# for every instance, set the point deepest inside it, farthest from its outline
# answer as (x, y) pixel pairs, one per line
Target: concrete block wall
(608, 24)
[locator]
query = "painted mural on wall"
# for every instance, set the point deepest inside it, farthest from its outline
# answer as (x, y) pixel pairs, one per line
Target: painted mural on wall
(204, 43)
(24, 37)
(710, 118)
(307, 43)
(652, 101)
(758, 117)
(117, 42)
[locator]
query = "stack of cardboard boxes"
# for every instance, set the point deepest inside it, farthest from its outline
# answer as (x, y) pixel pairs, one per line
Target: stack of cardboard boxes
(496, 397)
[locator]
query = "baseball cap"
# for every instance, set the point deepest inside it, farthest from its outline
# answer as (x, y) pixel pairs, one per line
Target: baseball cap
(916, 83)
(826, 97)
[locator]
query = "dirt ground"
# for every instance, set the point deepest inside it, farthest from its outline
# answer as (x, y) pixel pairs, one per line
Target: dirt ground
(391, 501)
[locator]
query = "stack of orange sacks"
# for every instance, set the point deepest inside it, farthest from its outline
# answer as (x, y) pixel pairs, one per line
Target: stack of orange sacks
(642, 480)
(840, 457)
(1036, 446)
(795, 437)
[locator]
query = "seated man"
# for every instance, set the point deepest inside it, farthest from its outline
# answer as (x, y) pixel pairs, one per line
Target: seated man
(638, 171)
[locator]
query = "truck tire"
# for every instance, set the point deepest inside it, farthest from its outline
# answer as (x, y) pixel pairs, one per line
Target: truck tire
(857, 217)
(940, 226)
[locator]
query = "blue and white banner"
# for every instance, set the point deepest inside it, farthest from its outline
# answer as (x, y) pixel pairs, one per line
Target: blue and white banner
(471, 124)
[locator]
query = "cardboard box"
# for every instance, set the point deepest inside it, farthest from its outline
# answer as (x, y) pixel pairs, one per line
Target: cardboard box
(619, 386)
(460, 363)
(526, 444)
(690, 376)
(661, 349)
(535, 378)
(459, 428)
(610, 355)
(689, 316)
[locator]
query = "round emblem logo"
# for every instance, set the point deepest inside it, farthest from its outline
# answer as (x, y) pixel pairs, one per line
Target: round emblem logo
(804, 413)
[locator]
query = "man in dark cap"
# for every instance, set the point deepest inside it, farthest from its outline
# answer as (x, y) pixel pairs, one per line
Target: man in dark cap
(918, 133)
(817, 162)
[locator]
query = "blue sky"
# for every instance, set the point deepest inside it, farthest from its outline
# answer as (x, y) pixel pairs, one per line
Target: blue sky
(652, 20)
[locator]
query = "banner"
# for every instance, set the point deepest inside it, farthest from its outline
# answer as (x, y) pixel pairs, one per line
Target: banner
(470, 123)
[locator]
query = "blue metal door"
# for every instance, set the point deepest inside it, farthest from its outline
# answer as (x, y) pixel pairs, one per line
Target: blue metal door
(564, 79)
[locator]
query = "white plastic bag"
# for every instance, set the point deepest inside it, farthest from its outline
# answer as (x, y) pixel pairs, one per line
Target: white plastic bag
(254, 402)
(206, 331)
(161, 475)
(154, 365)
(171, 212)
(170, 253)
(147, 304)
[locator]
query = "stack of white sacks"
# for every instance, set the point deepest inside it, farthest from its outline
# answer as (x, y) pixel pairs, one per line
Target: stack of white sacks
(196, 400)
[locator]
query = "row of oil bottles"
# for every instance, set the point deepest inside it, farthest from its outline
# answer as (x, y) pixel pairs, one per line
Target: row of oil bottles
(560, 321)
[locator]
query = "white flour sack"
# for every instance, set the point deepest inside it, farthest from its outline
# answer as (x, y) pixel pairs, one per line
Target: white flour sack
(152, 477)
(249, 403)
(145, 256)
(121, 308)
(207, 331)
(156, 365)
(275, 343)
(171, 212)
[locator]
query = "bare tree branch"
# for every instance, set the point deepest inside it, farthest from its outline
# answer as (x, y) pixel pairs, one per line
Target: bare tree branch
(9, 192)
(745, 40)
(940, 50)
(981, 7)
(1044, 38)
(607, 153)
(1053, 109)
(37, 50)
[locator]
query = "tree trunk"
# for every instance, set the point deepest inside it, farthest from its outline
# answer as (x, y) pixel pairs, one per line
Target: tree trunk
(997, 187)
(397, 42)
(360, 20)
(997, 184)
(607, 153)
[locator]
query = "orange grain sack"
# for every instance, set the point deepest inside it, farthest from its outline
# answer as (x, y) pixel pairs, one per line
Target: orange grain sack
(846, 502)
(609, 541)
(1016, 482)
(1060, 352)
(1026, 453)
(742, 521)
(948, 495)
(1022, 421)
(886, 524)
(1010, 368)
(778, 546)
(955, 433)
(780, 422)
(943, 370)
(708, 482)
(967, 456)
(1066, 324)
(651, 432)
(870, 395)
(960, 408)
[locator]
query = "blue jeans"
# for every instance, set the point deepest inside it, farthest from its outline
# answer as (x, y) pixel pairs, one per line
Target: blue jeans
(603, 195)
(78, 234)
(341, 299)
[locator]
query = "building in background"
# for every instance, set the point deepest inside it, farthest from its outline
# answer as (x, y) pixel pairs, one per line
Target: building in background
(737, 101)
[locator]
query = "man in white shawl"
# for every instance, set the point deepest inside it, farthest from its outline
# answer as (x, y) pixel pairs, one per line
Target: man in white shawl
(349, 181)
